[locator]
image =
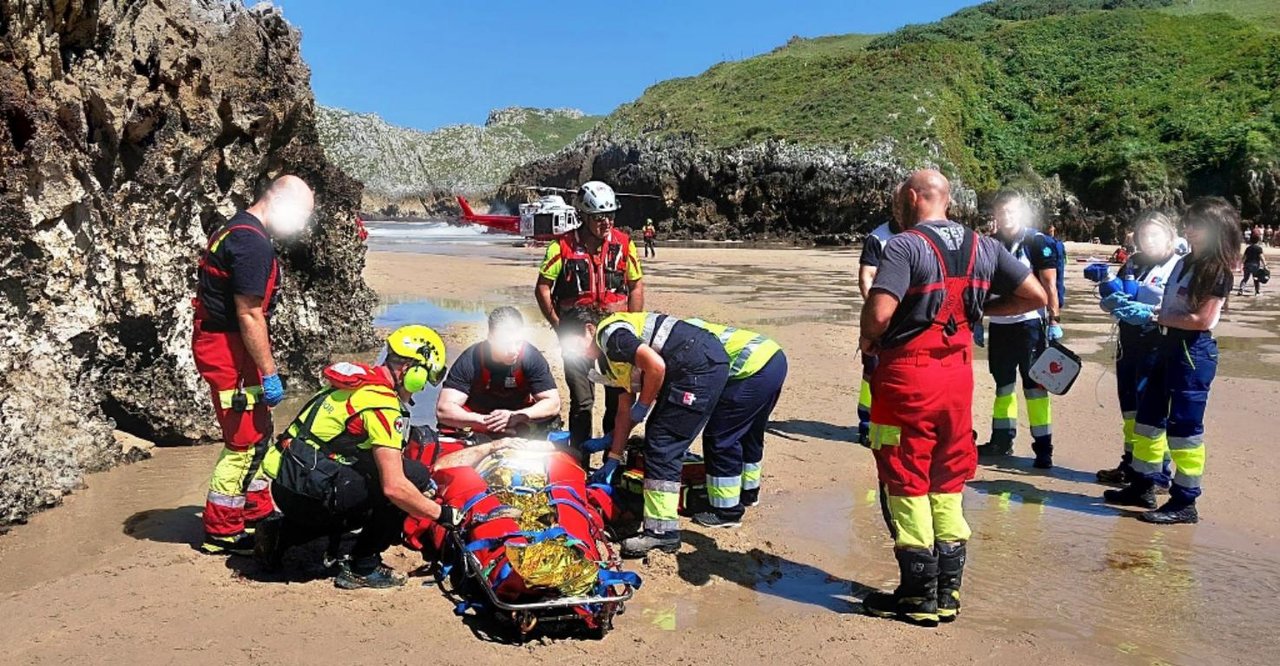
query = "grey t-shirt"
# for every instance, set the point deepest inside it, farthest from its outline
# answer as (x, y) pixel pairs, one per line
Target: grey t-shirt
(909, 261)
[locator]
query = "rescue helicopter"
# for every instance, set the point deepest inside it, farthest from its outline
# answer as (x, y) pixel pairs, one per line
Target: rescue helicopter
(542, 219)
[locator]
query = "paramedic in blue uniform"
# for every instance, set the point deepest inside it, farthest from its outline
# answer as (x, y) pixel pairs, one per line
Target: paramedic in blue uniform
(1014, 341)
(1171, 408)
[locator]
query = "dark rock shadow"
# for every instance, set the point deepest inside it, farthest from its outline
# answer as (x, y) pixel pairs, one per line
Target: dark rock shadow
(765, 573)
(815, 429)
(180, 525)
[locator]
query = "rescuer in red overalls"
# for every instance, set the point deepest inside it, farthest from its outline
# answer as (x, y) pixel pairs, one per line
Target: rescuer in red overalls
(238, 286)
(594, 265)
(932, 285)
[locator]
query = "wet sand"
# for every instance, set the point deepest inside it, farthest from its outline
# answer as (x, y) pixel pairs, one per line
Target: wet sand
(1055, 576)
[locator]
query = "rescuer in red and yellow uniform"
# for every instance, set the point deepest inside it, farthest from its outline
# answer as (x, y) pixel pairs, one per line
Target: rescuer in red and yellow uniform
(239, 284)
(931, 287)
(594, 265)
(338, 466)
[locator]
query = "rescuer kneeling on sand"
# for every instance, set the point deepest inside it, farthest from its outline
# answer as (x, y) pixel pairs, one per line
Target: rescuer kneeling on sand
(931, 288)
(338, 467)
(502, 387)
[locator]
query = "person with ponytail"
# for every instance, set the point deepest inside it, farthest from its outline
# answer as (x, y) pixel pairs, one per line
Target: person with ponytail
(1171, 408)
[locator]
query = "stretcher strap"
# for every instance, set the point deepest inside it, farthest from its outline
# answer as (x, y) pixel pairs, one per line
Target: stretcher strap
(609, 577)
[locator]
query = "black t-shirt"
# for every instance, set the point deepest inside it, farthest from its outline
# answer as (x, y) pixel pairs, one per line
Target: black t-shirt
(502, 391)
(1253, 255)
(248, 259)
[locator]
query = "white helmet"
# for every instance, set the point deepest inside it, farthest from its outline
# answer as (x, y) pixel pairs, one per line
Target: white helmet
(595, 197)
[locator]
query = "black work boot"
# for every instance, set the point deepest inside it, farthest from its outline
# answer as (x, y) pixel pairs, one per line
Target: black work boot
(1001, 445)
(1044, 454)
(750, 497)
(640, 544)
(1122, 474)
(240, 544)
(1172, 513)
(716, 518)
(916, 599)
(951, 558)
(1140, 493)
(269, 546)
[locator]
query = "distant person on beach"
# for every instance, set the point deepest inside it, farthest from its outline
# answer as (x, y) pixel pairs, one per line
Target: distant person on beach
(868, 263)
(501, 387)
(1171, 408)
(650, 239)
(1052, 234)
(237, 289)
(593, 265)
(1255, 263)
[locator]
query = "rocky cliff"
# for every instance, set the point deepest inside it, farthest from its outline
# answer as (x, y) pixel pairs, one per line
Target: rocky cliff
(415, 171)
(130, 129)
(767, 191)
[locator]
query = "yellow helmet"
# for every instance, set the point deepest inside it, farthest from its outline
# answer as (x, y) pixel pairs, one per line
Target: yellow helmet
(424, 346)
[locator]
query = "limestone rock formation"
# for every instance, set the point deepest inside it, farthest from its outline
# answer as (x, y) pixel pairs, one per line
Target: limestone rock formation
(771, 190)
(130, 129)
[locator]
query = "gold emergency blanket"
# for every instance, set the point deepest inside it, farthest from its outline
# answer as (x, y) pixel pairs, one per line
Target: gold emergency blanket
(517, 478)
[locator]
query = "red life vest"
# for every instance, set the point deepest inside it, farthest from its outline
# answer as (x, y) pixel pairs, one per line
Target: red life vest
(215, 276)
(951, 330)
(512, 394)
(599, 279)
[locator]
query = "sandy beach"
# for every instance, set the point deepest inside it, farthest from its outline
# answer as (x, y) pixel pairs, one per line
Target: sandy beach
(1055, 576)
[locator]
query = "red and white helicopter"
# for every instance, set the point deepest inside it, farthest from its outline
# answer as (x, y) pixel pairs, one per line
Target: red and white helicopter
(542, 219)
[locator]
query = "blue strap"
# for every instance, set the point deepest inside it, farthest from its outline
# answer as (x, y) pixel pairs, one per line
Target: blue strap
(503, 574)
(609, 577)
(570, 503)
(608, 489)
(471, 503)
(531, 537)
(463, 606)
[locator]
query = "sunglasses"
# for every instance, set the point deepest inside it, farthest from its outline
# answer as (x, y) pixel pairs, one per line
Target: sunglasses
(600, 217)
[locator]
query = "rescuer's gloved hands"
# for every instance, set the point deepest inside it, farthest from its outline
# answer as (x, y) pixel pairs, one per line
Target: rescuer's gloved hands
(1136, 314)
(980, 334)
(598, 444)
(639, 412)
(1114, 301)
(272, 390)
(604, 475)
(1054, 332)
(450, 518)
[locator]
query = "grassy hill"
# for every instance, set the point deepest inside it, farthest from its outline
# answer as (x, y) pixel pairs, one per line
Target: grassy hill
(398, 162)
(1109, 94)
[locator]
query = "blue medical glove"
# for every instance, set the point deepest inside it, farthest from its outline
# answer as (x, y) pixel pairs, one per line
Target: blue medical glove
(1054, 332)
(598, 444)
(1137, 314)
(979, 335)
(272, 390)
(1114, 301)
(639, 412)
(604, 475)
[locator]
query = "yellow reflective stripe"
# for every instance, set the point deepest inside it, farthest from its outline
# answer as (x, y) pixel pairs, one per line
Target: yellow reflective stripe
(1188, 460)
(1150, 444)
(1128, 432)
(251, 393)
(884, 435)
(864, 395)
(912, 521)
(661, 504)
(551, 262)
(948, 517)
(228, 475)
(751, 474)
(724, 491)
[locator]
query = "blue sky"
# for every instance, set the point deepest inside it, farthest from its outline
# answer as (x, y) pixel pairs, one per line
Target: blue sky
(426, 63)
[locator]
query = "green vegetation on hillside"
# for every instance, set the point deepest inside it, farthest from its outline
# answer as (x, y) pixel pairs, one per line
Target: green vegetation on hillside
(1153, 97)
(1266, 13)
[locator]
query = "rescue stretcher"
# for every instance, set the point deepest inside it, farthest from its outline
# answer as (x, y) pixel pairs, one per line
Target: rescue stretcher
(532, 551)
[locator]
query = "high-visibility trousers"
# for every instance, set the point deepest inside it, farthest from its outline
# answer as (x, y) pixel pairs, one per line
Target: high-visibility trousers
(864, 397)
(1011, 350)
(238, 489)
(1136, 355)
(1171, 412)
(733, 441)
(697, 369)
(922, 439)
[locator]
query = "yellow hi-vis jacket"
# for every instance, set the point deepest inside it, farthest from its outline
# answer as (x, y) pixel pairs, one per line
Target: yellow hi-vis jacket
(748, 351)
(652, 328)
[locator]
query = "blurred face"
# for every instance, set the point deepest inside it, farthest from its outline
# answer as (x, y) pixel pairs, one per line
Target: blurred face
(288, 215)
(505, 343)
(1198, 237)
(1155, 241)
(580, 346)
(1011, 219)
(598, 224)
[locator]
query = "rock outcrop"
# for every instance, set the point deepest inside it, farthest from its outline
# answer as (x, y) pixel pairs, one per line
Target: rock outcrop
(768, 191)
(414, 170)
(130, 129)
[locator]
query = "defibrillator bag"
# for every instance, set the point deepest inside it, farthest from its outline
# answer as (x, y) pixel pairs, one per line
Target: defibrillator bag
(1056, 368)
